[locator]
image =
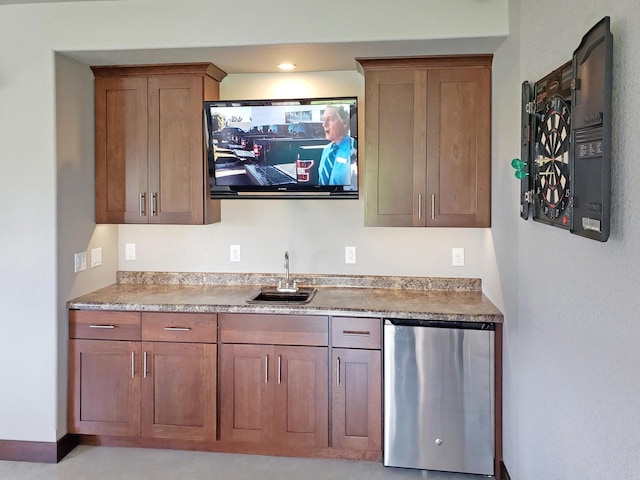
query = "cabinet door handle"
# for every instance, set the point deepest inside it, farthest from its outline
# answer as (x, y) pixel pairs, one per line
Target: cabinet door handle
(154, 205)
(143, 205)
(266, 369)
(433, 206)
(279, 369)
(102, 326)
(357, 333)
(144, 365)
(133, 364)
(338, 373)
(178, 329)
(419, 206)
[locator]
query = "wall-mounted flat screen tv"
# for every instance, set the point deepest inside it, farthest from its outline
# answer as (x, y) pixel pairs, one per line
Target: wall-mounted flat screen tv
(300, 148)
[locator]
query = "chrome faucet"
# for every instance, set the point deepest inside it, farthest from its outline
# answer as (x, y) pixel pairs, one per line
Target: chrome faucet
(286, 268)
(287, 287)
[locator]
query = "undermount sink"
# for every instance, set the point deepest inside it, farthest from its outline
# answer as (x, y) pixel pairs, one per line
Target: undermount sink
(273, 296)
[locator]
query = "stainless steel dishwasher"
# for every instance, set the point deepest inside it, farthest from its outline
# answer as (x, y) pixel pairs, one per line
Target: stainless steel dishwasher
(438, 395)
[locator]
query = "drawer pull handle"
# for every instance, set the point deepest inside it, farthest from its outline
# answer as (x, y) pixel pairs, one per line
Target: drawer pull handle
(102, 326)
(178, 329)
(361, 333)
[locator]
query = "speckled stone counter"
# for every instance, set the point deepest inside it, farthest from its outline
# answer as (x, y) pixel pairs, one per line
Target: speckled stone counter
(428, 298)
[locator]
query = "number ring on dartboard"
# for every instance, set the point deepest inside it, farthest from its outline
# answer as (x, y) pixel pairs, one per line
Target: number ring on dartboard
(552, 158)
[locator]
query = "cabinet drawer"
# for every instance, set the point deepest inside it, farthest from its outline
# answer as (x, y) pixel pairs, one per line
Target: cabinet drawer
(104, 325)
(179, 327)
(353, 332)
(274, 329)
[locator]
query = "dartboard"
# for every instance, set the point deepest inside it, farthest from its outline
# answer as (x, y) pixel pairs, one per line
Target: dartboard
(552, 159)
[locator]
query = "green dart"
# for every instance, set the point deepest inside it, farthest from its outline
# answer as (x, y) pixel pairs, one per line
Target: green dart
(517, 164)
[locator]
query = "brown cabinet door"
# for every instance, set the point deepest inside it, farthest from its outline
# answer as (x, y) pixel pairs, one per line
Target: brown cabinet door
(179, 390)
(428, 141)
(176, 151)
(459, 147)
(104, 387)
(301, 399)
(395, 147)
(356, 399)
(121, 149)
(246, 394)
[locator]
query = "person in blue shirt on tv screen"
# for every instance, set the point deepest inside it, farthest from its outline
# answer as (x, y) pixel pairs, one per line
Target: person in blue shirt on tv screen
(335, 162)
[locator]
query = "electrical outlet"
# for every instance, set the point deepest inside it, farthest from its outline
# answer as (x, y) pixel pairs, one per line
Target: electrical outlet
(129, 251)
(80, 262)
(96, 257)
(350, 255)
(457, 255)
(234, 253)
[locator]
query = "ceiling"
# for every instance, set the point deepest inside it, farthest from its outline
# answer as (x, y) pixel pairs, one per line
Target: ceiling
(306, 57)
(264, 58)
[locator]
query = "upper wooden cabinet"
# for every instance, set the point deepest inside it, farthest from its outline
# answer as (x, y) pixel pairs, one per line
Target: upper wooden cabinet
(150, 150)
(428, 141)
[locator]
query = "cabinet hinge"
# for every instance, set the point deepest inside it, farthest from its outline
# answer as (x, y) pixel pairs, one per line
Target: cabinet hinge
(530, 108)
(528, 196)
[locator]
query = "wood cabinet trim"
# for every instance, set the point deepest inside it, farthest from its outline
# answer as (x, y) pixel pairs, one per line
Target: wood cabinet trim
(203, 68)
(369, 64)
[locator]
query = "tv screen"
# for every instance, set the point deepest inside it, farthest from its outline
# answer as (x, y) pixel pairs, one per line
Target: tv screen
(300, 148)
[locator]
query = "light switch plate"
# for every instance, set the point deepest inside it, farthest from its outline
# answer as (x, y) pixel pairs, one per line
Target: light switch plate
(350, 255)
(129, 251)
(234, 253)
(80, 262)
(457, 255)
(96, 257)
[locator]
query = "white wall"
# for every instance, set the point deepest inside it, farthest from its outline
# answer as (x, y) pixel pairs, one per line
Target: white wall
(76, 228)
(46, 168)
(314, 232)
(573, 384)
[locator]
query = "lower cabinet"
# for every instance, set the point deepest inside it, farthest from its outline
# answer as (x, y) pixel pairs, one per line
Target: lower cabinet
(284, 384)
(275, 395)
(356, 384)
(121, 386)
(357, 399)
(104, 387)
(178, 391)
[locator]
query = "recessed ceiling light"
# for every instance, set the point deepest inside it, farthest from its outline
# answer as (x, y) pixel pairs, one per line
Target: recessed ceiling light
(286, 66)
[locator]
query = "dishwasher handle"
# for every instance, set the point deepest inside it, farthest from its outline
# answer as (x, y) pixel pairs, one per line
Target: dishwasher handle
(417, 322)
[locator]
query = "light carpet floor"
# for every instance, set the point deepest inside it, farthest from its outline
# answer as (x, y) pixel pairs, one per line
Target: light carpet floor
(107, 463)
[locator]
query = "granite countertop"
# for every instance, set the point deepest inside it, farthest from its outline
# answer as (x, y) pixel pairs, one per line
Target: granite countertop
(428, 298)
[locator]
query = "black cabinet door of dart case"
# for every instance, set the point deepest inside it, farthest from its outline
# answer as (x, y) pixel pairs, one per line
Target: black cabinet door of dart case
(525, 150)
(591, 133)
